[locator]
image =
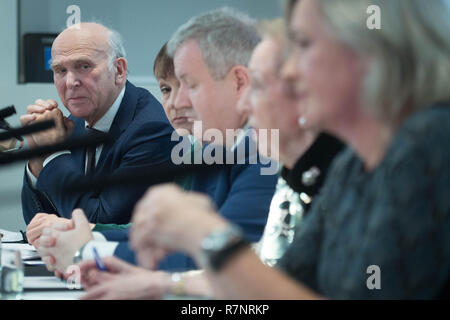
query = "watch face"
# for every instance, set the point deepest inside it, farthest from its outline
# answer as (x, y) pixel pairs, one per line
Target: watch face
(219, 245)
(215, 241)
(218, 240)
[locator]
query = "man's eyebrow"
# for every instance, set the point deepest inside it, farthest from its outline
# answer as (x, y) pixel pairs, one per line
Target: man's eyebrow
(75, 61)
(54, 65)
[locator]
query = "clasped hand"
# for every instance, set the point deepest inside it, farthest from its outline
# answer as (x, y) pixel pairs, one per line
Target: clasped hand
(46, 110)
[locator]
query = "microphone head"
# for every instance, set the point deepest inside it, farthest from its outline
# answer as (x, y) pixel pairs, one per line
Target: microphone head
(6, 112)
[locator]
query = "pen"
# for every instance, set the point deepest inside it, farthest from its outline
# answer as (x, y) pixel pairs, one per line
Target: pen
(98, 260)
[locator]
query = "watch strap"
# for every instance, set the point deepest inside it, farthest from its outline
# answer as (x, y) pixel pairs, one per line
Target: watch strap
(219, 259)
(79, 254)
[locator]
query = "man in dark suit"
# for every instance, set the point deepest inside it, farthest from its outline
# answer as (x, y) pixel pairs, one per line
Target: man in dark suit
(241, 191)
(90, 75)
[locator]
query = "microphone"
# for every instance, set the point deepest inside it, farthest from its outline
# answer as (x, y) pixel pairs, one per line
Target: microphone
(89, 140)
(143, 175)
(148, 175)
(4, 113)
(32, 128)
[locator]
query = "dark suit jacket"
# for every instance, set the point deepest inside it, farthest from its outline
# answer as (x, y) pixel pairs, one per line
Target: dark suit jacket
(243, 197)
(141, 136)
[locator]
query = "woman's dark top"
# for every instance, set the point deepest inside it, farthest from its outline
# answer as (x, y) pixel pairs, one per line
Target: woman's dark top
(320, 155)
(388, 228)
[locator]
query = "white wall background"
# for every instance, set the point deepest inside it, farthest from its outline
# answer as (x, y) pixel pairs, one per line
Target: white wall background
(144, 24)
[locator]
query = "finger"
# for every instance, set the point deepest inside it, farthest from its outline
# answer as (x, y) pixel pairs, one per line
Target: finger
(44, 251)
(159, 254)
(79, 219)
(58, 117)
(31, 237)
(49, 232)
(139, 229)
(35, 233)
(52, 103)
(50, 260)
(46, 104)
(146, 259)
(49, 263)
(89, 280)
(86, 265)
(32, 228)
(69, 124)
(47, 242)
(26, 119)
(38, 224)
(59, 275)
(141, 239)
(36, 108)
(96, 276)
(85, 268)
(62, 225)
(36, 244)
(116, 265)
(95, 293)
(37, 219)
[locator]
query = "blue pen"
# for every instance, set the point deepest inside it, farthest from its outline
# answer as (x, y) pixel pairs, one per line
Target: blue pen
(98, 260)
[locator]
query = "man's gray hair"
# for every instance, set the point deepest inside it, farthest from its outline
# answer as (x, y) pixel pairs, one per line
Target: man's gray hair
(225, 36)
(117, 50)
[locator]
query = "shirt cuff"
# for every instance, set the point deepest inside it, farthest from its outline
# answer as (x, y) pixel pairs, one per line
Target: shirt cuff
(104, 249)
(54, 155)
(98, 236)
(31, 178)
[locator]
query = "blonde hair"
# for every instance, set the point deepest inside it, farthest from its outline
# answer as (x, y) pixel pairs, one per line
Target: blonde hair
(409, 55)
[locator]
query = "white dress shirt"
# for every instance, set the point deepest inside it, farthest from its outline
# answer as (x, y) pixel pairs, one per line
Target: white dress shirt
(104, 125)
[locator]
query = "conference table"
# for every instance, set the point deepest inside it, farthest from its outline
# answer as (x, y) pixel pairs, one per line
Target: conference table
(40, 284)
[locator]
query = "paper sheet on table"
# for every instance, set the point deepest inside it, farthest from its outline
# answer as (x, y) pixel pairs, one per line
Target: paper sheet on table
(9, 236)
(27, 251)
(34, 263)
(52, 295)
(44, 283)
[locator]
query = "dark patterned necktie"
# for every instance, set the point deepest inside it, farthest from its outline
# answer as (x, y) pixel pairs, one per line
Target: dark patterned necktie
(90, 152)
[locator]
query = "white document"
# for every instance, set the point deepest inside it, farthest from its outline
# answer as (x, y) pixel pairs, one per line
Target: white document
(9, 236)
(52, 295)
(34, 263)
(27, 251)
(44, 283)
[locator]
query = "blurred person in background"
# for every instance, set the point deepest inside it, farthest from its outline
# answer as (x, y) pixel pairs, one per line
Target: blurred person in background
(240, 191)
(385, 204)
(269, 107)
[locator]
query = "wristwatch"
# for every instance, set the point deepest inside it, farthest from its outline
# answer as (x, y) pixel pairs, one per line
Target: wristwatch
(79, 254)
(220, 245)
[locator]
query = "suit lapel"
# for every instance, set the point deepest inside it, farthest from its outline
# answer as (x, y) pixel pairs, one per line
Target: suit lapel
(122, 120)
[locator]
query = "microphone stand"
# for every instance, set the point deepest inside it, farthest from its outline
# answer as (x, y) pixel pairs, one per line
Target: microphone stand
(32, 128)
(89, 140)
(143, 175)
